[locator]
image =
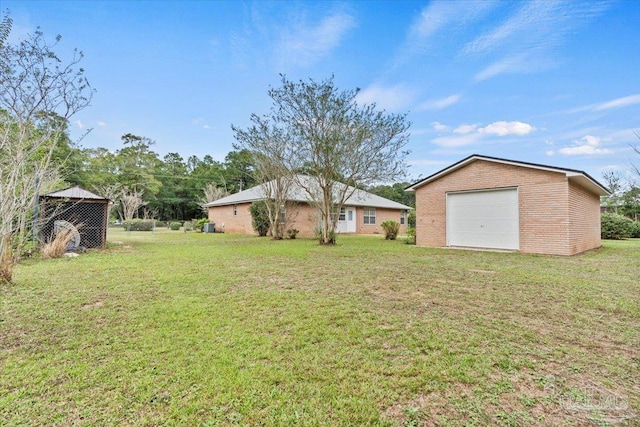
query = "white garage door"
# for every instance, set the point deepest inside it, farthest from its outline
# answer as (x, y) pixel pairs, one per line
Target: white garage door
(483, 219)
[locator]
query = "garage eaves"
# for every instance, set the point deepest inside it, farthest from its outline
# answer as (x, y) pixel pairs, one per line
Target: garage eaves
(580, 177)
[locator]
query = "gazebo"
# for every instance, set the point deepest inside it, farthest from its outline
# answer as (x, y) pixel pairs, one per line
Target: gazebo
(79, 208)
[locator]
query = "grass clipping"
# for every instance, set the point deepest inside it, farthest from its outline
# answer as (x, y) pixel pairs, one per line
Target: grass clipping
(57, 246)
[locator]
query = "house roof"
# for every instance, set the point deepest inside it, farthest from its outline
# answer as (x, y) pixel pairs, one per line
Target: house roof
(74, 193)
(578, 176)
(298, 194)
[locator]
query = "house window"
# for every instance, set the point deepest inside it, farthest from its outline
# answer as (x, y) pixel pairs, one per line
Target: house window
(342, 216)
(369, 216)
(283, 214)
(235, 210)
(403, 217)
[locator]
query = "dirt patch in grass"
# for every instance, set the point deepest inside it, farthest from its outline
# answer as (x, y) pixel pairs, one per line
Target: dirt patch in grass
(96, 304)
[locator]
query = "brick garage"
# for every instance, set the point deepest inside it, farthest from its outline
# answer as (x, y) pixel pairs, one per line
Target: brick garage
(487, 202)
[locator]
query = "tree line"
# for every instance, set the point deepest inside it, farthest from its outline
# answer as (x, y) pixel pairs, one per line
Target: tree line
(143, 184)
(169, 187)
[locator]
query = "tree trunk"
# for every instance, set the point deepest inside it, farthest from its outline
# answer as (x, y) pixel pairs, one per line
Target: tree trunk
(6, 262)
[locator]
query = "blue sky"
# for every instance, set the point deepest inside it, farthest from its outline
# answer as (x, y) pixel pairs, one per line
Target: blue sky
(548, 82)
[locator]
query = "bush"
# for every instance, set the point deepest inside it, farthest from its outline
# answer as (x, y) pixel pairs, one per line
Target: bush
(635, 229)
(391, 229)
(292, 233)
(138, 225)
(411, 218)
(616, 227)
(411, 235)
(259, 217)
(175, 226)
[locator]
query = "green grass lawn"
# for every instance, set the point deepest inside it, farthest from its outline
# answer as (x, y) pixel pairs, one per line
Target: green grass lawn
(202, 329)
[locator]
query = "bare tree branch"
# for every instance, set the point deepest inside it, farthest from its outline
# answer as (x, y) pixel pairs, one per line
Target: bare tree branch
(38, 95)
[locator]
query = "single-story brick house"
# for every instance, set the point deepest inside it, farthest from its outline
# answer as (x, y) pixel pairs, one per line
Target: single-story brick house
(362, 212)
(488, 202)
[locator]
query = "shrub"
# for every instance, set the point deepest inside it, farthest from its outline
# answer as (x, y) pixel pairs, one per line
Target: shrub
(259, 217)
(411, 218)
(635, 229)
(292, 233)
(138, 225)
(391, 229)
(175, 226)
(616, 226)
(200, 224)
(411, 235)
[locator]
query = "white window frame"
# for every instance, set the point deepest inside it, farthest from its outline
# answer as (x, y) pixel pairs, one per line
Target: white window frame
(235, 210)
(403, 217)
(369, 217)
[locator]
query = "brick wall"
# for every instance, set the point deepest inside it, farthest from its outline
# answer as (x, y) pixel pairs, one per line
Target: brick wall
(381, 216)
(301, 216)
(227, 222)
(304, 219)
(584, 219)
(543, 202)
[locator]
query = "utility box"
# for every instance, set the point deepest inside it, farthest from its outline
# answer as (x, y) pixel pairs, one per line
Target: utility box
(209, 227)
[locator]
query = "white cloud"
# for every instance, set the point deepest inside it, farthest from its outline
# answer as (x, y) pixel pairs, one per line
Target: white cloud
(101, 123)
(457, 141)
(503, 128)
(625, 101)
(620, 102)
(79, 124)
(304, 45)
(529, 62)
(439, 104)
(527, 39)
(587, 145)
(206, 127)
(439, 126)
(467, 134)
(463, 129)
(444, 15)
(391, 98)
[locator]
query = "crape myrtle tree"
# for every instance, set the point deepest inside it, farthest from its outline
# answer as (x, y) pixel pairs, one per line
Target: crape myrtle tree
(613, 182)
(39, 93)
(327, 143)
(267, 146)
(210, 193)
